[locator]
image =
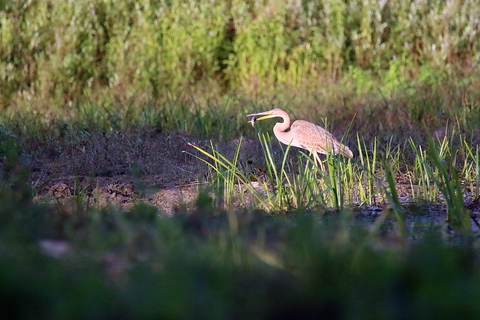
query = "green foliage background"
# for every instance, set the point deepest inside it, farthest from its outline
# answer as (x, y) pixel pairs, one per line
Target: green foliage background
(104, 60)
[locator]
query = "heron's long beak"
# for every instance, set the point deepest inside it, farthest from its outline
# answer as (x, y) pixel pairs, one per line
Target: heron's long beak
(266, 115)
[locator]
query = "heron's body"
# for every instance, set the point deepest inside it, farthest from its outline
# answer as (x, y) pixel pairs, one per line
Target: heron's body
(303, 134)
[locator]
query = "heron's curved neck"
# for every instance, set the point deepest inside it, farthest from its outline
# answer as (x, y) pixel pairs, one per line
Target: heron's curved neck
(280, 130)
(283, 126)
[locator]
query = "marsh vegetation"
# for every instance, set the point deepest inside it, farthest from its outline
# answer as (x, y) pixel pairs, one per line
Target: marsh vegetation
(132, 185)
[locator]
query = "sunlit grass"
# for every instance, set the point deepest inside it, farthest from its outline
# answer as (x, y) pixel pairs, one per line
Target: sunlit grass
(447, 180)
(300, 184)
(471, 169)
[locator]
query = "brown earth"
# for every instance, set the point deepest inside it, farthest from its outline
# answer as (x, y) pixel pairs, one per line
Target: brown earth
(122, 169)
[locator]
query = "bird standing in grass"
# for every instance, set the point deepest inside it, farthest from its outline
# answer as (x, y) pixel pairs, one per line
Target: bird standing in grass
(302, 134)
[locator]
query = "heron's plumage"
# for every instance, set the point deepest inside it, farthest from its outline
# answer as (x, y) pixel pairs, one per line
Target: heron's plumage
(312, 137)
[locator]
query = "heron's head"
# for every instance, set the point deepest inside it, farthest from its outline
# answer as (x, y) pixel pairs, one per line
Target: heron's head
(266, 115)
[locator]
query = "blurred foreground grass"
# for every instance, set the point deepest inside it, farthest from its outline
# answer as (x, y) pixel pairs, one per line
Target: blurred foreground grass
(76, 262)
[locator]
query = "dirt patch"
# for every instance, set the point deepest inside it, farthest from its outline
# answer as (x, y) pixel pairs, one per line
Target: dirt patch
(122, 169)
(121, 191)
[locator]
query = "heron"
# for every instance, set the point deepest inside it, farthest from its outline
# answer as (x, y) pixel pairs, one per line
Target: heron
(302, 134)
